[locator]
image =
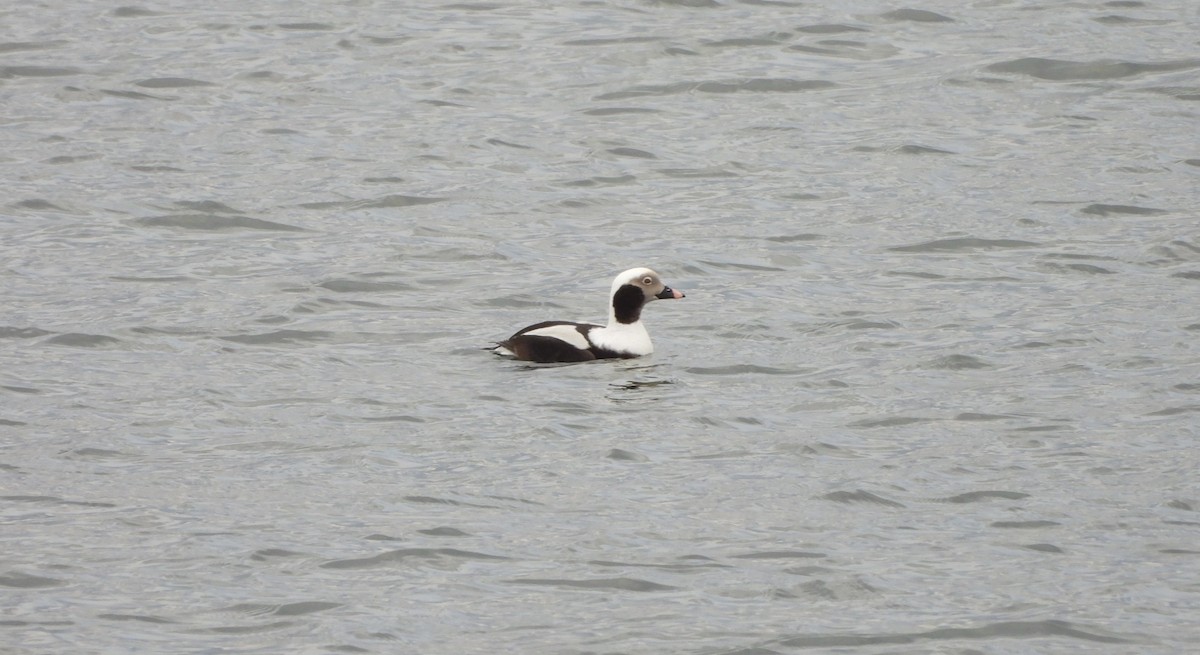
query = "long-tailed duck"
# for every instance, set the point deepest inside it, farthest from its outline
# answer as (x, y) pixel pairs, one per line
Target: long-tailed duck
(624, 336)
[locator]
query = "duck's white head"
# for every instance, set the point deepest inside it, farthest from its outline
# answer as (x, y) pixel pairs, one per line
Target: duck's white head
(632, 289)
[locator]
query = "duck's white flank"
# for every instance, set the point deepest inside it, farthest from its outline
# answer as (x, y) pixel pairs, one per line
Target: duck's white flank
(629, 338)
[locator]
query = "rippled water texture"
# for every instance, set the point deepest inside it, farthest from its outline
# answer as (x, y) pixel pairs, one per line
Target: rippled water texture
(935, 386)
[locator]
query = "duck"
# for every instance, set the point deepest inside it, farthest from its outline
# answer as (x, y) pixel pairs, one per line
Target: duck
(623, 337)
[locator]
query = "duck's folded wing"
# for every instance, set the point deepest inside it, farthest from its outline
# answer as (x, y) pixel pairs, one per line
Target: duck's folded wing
(568, 331)
(535, 348)
(552, 341)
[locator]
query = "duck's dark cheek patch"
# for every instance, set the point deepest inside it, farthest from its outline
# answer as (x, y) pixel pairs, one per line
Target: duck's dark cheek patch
(627, 303)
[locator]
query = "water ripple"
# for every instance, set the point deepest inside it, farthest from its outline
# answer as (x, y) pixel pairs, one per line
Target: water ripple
(965, 244)
(1133, 210)
(759, 85)
(404, 554)
(999, 630)
(214, 223)
(743, 369)
(601, 584)
(1060, 70)
(20, 580)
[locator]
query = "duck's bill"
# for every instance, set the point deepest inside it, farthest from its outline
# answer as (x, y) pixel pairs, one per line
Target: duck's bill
(667, 293)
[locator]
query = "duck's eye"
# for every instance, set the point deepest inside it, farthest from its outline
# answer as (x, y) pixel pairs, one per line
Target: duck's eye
(647, 280)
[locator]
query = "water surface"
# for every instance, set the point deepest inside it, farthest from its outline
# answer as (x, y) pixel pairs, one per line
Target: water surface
(935, 386)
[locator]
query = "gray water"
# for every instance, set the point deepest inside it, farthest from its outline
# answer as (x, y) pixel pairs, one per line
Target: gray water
(935, 387)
